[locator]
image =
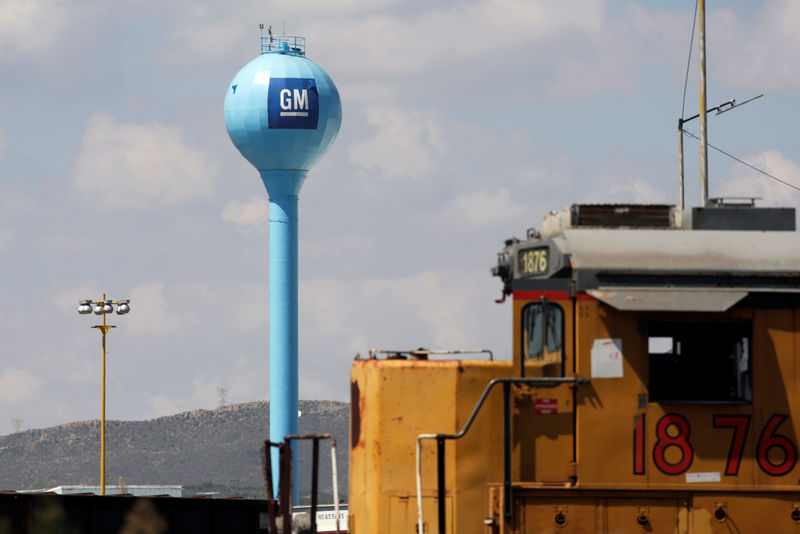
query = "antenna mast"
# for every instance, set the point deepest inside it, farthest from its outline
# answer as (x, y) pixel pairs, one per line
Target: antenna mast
(701, 13)
(720, 109)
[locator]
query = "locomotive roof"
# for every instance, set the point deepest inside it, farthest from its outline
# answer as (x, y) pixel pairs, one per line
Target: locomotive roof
(666, 265)
(688, 251)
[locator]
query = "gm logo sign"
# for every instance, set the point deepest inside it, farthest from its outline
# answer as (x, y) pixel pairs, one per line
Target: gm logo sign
(293, 103)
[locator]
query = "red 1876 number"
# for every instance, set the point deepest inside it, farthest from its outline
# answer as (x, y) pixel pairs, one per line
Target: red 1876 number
(672, 440)
(769, 440)
(680, 441)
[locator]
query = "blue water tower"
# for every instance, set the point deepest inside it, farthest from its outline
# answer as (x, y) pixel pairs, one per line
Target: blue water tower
(282, 112)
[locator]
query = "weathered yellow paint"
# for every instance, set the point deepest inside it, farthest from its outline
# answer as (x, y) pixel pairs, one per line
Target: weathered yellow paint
(400, 399)
(578, 461)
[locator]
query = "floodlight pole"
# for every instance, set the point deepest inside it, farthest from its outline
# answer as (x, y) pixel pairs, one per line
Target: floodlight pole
(103, 307)
(104, 328)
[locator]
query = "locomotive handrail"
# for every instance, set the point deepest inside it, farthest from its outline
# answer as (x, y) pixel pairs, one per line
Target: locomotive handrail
(537, 382)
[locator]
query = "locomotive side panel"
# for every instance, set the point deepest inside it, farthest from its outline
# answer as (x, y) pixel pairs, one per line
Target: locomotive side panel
(728, 421)
(771, 451)
(609, 350)
(396, 401)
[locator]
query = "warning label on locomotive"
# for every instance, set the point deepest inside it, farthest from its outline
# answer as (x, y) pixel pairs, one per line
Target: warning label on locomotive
(546, 406)
(293, 103)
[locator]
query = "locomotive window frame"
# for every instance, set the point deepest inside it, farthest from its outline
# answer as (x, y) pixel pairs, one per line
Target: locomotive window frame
(700, 362)
(551, 346)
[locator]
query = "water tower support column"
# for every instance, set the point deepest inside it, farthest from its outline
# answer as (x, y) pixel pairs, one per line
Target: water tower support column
(283, 188)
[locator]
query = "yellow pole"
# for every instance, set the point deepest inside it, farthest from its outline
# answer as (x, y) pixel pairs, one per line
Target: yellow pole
(103, 331)
(103, 412)
(701, 10)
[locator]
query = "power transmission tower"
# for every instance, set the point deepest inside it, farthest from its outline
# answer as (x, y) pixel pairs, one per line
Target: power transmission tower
(222, 397)
(17, 424)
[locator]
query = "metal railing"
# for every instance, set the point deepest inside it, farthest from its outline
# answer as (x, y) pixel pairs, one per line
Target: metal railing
(535, 382)
(291, 44)
(285, 481)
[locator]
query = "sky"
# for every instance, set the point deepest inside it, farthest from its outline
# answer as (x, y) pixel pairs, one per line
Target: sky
(464, 123)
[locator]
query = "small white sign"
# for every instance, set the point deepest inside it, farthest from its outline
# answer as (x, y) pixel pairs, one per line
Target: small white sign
(607, 358)
(702, 477)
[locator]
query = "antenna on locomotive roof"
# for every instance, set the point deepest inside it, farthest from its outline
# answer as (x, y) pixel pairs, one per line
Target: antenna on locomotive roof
(703, 138)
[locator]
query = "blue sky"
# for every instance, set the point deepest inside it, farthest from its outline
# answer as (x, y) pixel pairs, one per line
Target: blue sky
(463, 124)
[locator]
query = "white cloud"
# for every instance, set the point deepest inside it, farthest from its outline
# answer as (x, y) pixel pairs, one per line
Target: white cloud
(151, 312)
(18, 385)
(252, 213)
(407, 144)
(636, 191)
(3, 141)
(760, 54)
(427, 303)
(67, 299)
(429, 309)
(744, 182)
(484, 207)
(140, 166)
(401, 44)
(31, 26)
(245, 383)
(208, 32)
(323, 250)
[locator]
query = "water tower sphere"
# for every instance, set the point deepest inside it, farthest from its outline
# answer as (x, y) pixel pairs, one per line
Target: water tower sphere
(282, 111)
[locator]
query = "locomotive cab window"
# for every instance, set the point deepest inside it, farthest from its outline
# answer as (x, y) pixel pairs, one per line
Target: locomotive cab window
(700, 362)
(543, 332)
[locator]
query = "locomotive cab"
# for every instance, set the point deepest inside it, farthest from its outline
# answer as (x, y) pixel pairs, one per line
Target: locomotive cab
(652, 388)
(687, 327)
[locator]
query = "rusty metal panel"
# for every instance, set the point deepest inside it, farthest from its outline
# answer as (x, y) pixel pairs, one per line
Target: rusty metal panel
(398, 400)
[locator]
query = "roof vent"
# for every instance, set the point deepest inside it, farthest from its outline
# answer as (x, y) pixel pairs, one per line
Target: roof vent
(609, 216)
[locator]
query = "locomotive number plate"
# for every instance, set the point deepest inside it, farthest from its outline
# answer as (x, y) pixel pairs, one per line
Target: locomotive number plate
(533, 261)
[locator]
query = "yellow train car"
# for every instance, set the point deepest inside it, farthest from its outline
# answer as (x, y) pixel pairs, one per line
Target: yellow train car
(653, 387)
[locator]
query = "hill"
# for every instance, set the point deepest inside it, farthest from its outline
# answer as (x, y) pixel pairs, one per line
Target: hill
(201, 448)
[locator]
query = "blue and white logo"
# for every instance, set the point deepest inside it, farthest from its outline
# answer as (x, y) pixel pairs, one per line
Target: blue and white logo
(293, 103)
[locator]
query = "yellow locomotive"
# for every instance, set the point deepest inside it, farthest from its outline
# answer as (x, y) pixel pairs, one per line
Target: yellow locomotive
(653, 387)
